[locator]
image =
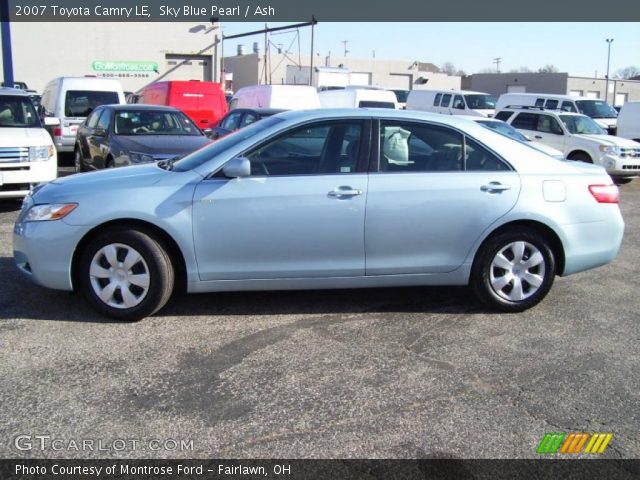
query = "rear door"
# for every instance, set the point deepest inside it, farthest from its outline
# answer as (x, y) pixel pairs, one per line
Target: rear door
(434, 193)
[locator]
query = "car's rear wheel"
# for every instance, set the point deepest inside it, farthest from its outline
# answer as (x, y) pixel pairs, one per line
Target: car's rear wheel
(126, 274)
(513, 270)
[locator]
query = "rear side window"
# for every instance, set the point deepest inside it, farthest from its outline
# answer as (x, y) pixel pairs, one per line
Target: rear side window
(436, 101)
(80, 103)
(408, 147)
(504, 116)
(540, 102)
(478, 158)
(446, 98)
(525, 121)
(551, 104)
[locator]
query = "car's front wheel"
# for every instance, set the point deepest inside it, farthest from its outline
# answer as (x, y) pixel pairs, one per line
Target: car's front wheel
(513, 270)
(77, 161)
(126, 274)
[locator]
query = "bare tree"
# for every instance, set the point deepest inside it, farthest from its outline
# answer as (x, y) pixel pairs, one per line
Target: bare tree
(627, 72)
(450, 69)
(521, 70)
(548, 69)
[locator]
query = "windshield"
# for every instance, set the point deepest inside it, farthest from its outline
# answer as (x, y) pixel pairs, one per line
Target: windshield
(480, 101)
(17, 111)
(149, 122)
(596, 109)
(579, 124)
(80, 103)
(505, 129)
(205, 154)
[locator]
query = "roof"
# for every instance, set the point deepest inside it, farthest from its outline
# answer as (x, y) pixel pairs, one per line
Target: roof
(260, 111)
(530, 109)
(140, 106)
(13, 91)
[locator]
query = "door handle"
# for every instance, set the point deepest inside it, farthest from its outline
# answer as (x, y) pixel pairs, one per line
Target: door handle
(344, 192)
(538, 137)
(495, 187)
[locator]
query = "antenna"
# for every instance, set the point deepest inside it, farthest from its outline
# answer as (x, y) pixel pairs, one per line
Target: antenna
(345, 47)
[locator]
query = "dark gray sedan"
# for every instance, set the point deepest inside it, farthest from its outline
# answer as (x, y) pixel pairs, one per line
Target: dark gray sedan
(119, 135)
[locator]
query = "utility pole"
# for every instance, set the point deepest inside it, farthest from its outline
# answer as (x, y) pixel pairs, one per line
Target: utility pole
(7, 57)
(606, 91)
(345, 47)
(497, 61)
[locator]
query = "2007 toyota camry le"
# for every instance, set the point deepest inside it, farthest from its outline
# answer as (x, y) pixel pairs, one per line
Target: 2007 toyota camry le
(324, 199)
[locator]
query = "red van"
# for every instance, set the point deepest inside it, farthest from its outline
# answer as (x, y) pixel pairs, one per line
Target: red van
(203, 102)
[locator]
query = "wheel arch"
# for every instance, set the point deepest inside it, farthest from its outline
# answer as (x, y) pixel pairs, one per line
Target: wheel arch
(578, 151)
(166, 240)
(555, 243)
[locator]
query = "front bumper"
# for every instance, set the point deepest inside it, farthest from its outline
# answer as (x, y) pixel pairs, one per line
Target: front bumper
(621, 166)
(43, 251)
(17, 179)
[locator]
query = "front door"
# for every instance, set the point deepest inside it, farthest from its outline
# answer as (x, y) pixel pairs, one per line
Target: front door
(300, 214)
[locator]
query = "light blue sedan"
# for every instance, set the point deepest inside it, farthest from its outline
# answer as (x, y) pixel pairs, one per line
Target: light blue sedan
(324, 199)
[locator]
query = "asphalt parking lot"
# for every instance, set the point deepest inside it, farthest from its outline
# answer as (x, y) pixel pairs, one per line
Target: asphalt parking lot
(406, 373)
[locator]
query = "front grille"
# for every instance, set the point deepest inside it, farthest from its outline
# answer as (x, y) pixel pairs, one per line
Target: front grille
(14, 154)
(631, 167)
(13, 169)
(630, 152)
(15, 187)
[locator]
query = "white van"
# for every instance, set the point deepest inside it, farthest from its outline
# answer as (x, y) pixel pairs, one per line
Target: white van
(603, 113)
(71, 100)
(27, 154)
(358, 97)
(286, 97)
(629, 121)
(452, 102)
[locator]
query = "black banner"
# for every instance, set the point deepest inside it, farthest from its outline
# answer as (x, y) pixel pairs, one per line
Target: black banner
(319, 469)
(323, 10)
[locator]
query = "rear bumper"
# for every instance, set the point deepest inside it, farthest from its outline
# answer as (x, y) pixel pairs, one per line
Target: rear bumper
(64, 144)
(591, 245)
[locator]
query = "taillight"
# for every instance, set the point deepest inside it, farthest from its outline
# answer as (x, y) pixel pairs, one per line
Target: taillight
(605, 193)
(57, 132)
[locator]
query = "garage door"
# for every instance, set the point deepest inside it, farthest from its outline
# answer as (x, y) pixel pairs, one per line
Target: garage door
(358, 78)
(516, 89)
(188, 67)
(399, 81)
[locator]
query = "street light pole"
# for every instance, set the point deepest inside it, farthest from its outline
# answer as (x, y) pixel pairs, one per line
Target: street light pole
(606, 91)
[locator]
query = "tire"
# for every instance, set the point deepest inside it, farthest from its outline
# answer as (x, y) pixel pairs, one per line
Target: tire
(129, 292)
(496, 285)
(77, 161)
(109, 163)
(621, 181)
(581, 157)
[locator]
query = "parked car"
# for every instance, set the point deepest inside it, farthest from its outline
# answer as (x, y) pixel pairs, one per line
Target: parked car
(401, 97)
(120, 135)
(452, 102)
(71, 100)
(202, 102)
(240, 118)
(603, 113)
(629, 121)
(579, 137)
(285, 97)
(27, 154)
(282, 204)
(505, 129)
(358, 97)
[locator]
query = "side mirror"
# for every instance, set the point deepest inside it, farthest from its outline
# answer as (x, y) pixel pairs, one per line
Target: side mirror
(100, 132)
(51, 121)
(208, 132)
(237, 168)
(529, 139)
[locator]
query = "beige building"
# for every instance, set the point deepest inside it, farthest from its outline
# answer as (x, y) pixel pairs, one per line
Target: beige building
(280, 68)
(135, 53)
(620, 91)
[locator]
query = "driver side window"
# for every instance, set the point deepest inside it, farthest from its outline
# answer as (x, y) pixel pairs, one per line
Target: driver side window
(326, 148)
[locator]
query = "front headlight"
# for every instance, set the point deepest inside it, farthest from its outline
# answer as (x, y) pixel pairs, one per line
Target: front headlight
(51, 211)
(610, 150)
(40, 154)
(136, 157)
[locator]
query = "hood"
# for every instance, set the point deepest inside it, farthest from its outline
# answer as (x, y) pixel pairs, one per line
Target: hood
(141, 175)
(606, 122)
(163, 145)
(612, 140)
(24, 137)
(485, 112)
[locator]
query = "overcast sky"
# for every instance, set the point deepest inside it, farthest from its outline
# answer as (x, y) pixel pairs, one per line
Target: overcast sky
(576, 48)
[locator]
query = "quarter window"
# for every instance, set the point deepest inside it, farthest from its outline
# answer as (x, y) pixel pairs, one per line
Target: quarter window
(406, 147)
(504, 116)
(327, 148)
(436, 101)
(446, 98)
